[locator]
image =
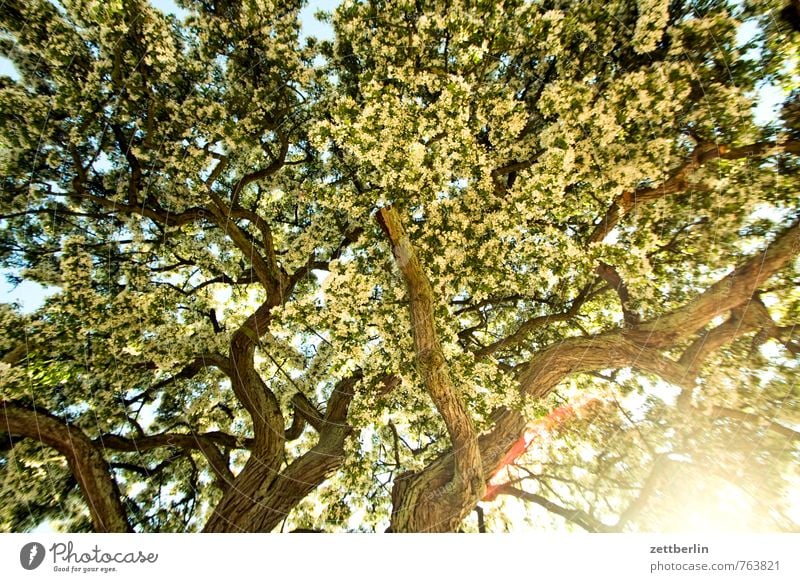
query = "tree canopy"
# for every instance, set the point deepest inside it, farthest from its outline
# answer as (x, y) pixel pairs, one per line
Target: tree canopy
(467, 266)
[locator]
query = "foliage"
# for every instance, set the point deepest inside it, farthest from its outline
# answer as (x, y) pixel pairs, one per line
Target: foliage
(244, 344)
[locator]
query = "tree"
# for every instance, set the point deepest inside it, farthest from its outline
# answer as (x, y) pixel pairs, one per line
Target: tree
(464, 253)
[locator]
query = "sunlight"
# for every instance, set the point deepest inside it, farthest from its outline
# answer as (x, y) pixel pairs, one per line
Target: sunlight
(708, 504)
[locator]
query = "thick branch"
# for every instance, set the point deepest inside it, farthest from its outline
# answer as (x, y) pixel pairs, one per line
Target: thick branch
(84, 459)
(233, 513)
(730, 292)
(163, 217)
(249, 388)
(582, 355)
(307, 411)
(219, 464)
(272, 496)
(265, 267)
(187, 441)
(186, 373)
(743, 320)
(637, 347)
(271, 169)
(265, 230)
(467, 480)
(611, 276)
(296, 428)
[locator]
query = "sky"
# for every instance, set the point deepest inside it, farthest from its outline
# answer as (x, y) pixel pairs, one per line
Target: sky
(311, 26)
(30, 295)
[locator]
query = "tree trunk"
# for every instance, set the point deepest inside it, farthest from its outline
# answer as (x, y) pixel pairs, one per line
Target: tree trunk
(260, 497)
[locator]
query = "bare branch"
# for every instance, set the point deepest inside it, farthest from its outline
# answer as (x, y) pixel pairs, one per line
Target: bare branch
(532, 324)
(576, 516)
(187, 372)
(637, 347)
(271, 169)
(307, 411)
(660, 465)
(265, 267)
(771, 425)
(730, 292)
(312, 264)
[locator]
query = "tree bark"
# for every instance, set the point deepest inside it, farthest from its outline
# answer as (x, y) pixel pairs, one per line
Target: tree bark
(637, 347)
(265, 497)
(454, 497)
(678, 179)
(83, 457)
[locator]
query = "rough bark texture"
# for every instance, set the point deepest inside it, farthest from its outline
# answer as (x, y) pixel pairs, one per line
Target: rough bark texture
(637, 347)
(309, 471)
(84, 458)
(456, 495)
(438, 497)
(234, 512)
(263, 497)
